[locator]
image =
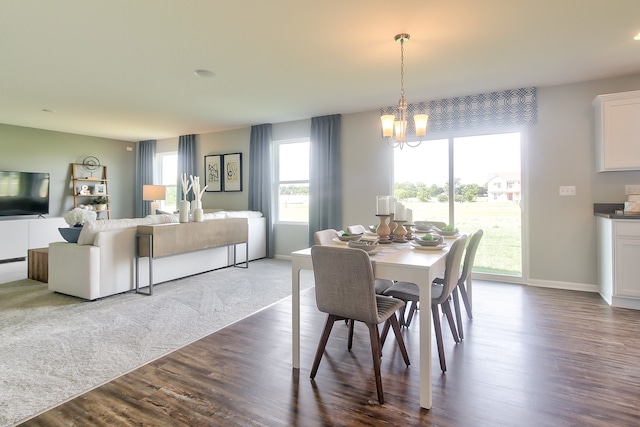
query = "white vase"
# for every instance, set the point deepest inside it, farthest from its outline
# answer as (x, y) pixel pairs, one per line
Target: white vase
(198, 215)
(184, 211)
(196, 204)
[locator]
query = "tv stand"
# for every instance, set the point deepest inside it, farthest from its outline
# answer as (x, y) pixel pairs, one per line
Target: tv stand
(20, 235)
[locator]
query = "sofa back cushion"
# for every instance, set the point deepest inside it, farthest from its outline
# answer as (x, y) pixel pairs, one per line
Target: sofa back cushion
(91, 228)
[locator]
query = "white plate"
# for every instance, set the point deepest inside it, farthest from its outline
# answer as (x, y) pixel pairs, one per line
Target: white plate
(335, 239)
(428, 248)
(452, 236)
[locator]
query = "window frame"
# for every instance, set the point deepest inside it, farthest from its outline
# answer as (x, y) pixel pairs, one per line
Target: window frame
(278, 182)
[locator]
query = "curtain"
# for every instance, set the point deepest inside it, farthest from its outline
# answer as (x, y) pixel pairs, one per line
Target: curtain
(486, 110)
(145, 158)
(260, 178)
(187, 160)
(325, 180)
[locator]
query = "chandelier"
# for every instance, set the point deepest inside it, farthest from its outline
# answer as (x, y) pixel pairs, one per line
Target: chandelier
(391, 123)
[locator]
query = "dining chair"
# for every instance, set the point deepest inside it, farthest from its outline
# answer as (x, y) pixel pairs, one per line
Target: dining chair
(464, 282)
(345, 289)
(440, 295)
(324, 237)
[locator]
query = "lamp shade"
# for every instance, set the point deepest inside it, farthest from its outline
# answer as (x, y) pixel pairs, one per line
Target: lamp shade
(154, 192)
(421, 124)
(387, 125)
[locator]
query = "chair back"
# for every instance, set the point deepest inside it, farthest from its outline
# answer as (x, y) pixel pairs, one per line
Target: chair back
(344, 283)
(452, 269)
(356, 229)
(470, 255)
(324, 237)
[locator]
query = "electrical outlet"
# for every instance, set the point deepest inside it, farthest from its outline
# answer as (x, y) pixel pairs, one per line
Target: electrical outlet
(567, 190)
(631, 189)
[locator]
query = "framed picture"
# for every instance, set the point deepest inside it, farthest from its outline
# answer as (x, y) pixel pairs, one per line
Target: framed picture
(213, 173)
(100, 189)
(232, 172)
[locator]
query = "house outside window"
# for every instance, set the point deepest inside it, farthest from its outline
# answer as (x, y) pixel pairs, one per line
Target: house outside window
(292, 181)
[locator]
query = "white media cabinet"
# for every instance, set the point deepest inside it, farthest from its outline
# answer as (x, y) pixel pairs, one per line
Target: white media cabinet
(20, 235)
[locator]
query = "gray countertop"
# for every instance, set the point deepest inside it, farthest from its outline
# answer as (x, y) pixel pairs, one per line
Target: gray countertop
(607, 210)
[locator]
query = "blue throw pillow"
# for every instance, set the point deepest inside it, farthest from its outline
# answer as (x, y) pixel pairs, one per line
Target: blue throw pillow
(70, 234)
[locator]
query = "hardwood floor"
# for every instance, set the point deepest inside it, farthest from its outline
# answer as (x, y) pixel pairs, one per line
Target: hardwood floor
(530, 357)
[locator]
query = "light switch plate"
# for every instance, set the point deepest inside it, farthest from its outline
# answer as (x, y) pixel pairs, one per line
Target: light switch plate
(567, 190)
(631, 189)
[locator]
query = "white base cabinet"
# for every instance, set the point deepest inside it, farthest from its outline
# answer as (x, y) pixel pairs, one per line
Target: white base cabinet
(619, 261)
(20, 235)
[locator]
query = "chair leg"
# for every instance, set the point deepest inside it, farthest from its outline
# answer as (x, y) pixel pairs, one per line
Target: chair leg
(465, 299)
(446, 309)
(350, 340)
(436, 326)
(385, 331)
(375, 354)
(396, 330)
(456, 306)
(323, 343)
(412, 310)
(401, 314)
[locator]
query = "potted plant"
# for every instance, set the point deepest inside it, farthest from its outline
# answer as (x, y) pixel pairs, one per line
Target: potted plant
(100, 203)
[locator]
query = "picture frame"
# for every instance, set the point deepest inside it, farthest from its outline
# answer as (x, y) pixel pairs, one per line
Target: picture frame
(232, 169)
(100, 189)
(213, 173)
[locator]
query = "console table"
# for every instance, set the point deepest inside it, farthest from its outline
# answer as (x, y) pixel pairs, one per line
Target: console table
(163, 240)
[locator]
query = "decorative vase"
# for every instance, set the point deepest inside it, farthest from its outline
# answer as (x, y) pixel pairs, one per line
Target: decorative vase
(184, 211)
(198, 215)
(195, 204)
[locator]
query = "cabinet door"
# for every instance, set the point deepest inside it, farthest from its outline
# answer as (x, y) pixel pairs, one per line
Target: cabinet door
(618, 132)
(627, 267)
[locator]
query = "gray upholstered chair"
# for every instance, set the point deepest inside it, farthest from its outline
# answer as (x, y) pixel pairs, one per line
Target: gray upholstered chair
(440, 294)
(464, 281)
(344, 286)
(324, 237)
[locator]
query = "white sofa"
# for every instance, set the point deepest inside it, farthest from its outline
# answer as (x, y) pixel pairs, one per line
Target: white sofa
(102, 262)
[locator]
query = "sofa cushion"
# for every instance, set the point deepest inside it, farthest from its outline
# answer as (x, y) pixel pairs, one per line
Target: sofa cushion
(92, 228)
(164, 218)
(243, 214)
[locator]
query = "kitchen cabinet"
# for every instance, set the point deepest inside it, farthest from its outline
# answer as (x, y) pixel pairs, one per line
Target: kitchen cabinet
(617, 131)
(618, 261)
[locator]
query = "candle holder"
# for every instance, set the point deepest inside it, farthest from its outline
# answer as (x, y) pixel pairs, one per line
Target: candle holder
(399, 232)
(383, 230)
(392, 224)
(409, 235)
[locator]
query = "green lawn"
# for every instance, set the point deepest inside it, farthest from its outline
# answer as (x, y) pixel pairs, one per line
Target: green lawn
(500, 250)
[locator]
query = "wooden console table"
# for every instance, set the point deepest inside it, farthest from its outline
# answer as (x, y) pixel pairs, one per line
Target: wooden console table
(162, 240)
(38, 264)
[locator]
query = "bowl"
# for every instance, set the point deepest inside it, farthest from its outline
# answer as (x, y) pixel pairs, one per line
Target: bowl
(448, 233)
(366, 245)
(373, 228)
(437, 240)
(350, 237)
(423, 225)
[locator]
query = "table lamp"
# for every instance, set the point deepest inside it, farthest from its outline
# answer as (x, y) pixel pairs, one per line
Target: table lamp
(154, 193)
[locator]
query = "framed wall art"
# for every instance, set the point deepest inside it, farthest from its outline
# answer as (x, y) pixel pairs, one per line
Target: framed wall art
(232, 172)
(213, 173)
(100, 189)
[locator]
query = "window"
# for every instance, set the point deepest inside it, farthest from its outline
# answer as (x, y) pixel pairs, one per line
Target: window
(292, 181)
(167, 174)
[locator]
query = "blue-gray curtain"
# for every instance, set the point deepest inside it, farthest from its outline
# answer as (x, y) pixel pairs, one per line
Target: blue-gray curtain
(325, 180)
(187, 160)
(145, 158)
(261, 177)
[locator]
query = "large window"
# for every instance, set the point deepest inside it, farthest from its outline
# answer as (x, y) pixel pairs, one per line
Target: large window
(474, 183)
(292, 182)
(167, 174)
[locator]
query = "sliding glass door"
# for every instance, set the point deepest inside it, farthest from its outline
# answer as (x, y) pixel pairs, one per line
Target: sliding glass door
(472, 182)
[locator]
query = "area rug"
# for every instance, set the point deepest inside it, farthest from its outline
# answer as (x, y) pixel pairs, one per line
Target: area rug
(56, 347)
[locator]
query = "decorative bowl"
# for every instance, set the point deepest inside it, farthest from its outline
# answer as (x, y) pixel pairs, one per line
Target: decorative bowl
(423, 225)
(366, 245)
(448, 232)
(350, 237)
(434, 242)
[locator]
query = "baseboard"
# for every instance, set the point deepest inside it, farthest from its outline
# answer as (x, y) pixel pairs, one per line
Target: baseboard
(570, 286)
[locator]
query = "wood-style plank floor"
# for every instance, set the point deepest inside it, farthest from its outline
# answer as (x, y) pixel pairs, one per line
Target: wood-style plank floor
(530, 357)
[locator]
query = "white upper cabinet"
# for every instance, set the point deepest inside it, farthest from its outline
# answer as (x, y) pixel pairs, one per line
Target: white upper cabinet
(617, 131)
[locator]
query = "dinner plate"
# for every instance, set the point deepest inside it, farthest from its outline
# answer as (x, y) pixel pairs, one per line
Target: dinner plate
(428, 248)
(451, 236)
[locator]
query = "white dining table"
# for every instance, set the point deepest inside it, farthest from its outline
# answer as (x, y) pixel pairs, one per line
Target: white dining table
(403, 264)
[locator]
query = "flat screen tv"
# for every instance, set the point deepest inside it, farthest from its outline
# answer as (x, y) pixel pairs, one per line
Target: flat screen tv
(24, 193)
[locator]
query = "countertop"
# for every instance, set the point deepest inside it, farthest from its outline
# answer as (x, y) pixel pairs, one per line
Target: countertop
(608, 210)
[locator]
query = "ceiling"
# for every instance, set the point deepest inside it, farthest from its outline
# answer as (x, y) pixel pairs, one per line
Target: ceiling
(124, 69)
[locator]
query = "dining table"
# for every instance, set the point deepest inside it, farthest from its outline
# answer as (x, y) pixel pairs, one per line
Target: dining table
(394, 261)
